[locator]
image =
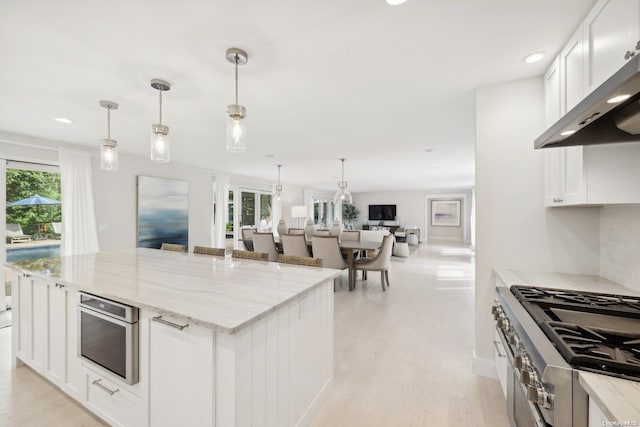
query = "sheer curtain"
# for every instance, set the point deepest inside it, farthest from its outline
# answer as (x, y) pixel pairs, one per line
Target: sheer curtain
(80, 233)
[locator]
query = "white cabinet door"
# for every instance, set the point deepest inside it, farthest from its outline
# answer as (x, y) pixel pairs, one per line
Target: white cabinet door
(74, 383)
(610, 30)
(21, 294)
(572, 72)
(181, 373)
(575, 188)
(56, 354)
(552, 93)
(553, 175)
(39, 308)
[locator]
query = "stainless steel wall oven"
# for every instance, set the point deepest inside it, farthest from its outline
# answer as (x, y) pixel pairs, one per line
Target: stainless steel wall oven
(108, 336)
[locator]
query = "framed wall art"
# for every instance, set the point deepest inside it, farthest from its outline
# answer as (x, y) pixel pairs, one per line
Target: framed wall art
(445, 213)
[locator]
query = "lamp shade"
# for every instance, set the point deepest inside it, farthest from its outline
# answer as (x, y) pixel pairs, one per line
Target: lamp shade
(343, 196)
(298, 211)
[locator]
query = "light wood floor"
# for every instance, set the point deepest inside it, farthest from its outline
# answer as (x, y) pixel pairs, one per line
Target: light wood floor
(403, 357)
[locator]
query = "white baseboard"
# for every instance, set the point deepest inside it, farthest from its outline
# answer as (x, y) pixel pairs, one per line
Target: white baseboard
(484, 367)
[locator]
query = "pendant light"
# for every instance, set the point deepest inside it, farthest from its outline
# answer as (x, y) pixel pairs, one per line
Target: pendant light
(278, 194)
(160, 144)
(236, 126)
(108, 146)
(343, 195)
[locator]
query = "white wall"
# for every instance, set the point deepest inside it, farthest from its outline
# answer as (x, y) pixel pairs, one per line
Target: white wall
(620, 244)
(513, 229)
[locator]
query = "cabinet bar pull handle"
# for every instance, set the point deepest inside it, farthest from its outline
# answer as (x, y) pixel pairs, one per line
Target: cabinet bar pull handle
(495, 343)
(59, 285)
(103, 387)
(166, 322)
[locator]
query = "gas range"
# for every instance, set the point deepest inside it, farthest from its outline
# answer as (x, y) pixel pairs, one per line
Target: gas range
(551, 334)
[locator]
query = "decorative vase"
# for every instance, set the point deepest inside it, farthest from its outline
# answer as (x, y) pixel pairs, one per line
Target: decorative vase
(282, 227)
(336, 229)
(309, 229)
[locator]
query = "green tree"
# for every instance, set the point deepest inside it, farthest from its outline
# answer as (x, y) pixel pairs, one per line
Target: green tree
(349, 213)
(22, 184)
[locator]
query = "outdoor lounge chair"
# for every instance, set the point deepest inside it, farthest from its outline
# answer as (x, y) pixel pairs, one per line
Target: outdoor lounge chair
(15, 234)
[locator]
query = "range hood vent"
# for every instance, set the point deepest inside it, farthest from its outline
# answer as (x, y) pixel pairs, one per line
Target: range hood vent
(596, 121)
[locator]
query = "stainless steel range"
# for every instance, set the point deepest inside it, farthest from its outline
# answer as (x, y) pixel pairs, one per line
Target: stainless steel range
(549, 335)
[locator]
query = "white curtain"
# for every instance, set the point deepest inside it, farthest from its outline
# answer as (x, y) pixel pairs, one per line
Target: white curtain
(79, 231)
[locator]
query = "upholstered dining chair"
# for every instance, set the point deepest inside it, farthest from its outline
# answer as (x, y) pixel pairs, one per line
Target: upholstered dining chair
(295, 244)
(327, 248)
(296, 231)
(351, 235)
(379, 263)
(323, 233)
(247, 237)
(204, 250)
(264, 242)
(173, 247)
(300, 260)
(258, 256)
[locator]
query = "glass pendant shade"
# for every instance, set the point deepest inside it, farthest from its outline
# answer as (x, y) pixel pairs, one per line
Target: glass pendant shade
(160, 144)
(343, 196)
(109, 155)
(278, 194)
(236, 129)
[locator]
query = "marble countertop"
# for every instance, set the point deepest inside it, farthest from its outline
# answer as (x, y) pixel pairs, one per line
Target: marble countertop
(221, 293)
(619, 399)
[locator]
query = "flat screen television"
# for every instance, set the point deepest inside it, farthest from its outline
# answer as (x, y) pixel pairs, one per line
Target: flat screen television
(382, 212)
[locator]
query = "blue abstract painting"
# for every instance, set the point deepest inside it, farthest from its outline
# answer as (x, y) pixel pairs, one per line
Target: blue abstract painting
(163, 212)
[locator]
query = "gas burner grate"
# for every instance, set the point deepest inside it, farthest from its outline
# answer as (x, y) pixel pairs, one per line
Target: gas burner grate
(619, 305)
(601, 350)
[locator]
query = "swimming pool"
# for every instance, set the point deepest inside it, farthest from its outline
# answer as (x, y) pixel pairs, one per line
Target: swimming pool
(32, 252)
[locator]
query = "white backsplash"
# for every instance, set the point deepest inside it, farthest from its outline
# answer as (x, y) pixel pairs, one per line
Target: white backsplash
(620, 244)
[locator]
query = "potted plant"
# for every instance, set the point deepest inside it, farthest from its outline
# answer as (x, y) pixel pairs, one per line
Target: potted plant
(349, 214)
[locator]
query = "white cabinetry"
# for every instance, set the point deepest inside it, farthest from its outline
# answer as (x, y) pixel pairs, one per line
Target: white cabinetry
(572, 59)
(611, 35)
(596, 417)
(502, 365)
(113, 402)
(181, 372)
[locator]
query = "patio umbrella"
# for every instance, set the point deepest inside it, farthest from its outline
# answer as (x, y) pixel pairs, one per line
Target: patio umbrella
(34, 200)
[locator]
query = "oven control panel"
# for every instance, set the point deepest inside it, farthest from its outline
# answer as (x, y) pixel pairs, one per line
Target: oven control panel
(526, 372)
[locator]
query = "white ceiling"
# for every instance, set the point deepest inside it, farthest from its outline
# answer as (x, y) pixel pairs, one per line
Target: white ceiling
(359, 79)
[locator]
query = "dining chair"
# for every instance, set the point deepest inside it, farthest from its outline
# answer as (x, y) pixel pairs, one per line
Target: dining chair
(379, 263)
(296, 231)
(264, 242)
(173, 247)
(300, 260)
(327, 249)
(295, 244)
(323, 233)
(351, 235)
(205, 250)
(247, 237)
(258, 256)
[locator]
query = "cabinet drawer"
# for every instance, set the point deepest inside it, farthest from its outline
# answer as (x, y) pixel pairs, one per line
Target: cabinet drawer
(113, 403)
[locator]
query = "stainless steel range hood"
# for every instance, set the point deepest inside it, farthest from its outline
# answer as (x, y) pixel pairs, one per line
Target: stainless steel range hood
(596, 121)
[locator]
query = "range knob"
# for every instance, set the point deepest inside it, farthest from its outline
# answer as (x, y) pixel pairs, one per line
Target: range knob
(506, 325)
(514, 340)
(498, 313)
(529, 377)
(539, 396)
(521, 361)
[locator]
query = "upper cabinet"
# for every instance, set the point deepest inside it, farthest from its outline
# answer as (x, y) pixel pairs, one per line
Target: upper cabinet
(591, 175)
(611, 35)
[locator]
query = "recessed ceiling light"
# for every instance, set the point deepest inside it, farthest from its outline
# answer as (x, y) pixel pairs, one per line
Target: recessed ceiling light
(395, 2)
(64, 120)
(533, 57)
(567, 132)
(428, 150)
(618, 98)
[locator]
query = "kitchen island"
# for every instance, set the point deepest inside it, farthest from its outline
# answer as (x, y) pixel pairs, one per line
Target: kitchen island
(222, 341)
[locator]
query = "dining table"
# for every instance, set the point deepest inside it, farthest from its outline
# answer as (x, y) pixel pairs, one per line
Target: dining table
(349, 248)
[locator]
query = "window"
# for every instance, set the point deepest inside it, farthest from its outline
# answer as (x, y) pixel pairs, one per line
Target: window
(323, 212)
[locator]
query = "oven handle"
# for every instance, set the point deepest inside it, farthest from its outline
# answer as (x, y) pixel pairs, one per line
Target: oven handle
(159, 319)
(495, 343)
(99, 384)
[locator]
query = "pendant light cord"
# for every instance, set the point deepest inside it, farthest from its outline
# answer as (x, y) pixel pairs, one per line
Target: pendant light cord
(236, 61)
(160, 106)
(109, 123)
(279, 166)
